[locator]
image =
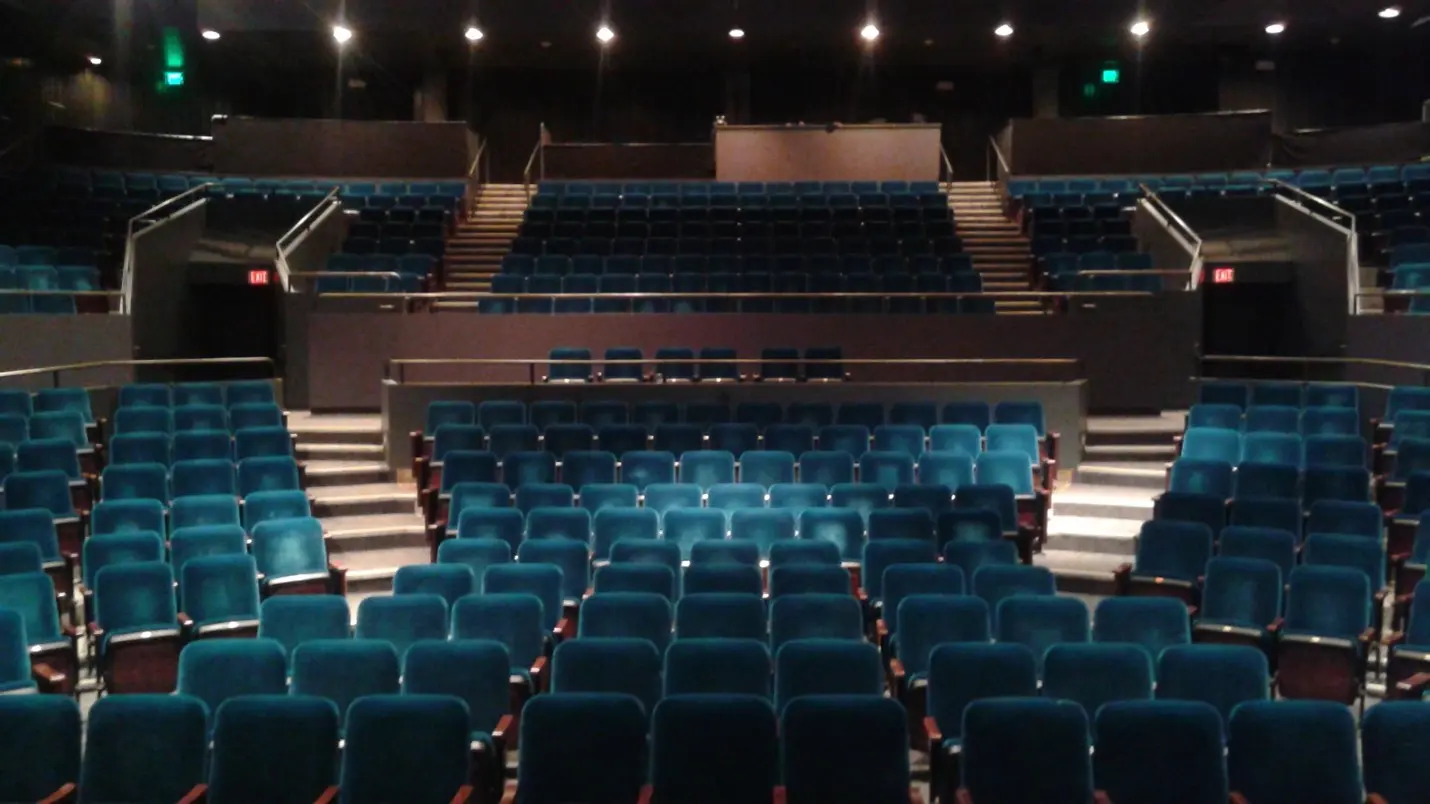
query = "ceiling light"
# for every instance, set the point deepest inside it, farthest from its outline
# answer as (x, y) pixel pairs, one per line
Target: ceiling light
(737, 33)
(1005, 30)
(1276, 28)
(342, 34)
(1390, 12)
(211, 35)
(605, 34)
(1141, 28)
(95, 60)
(870, 32)
(473, 34)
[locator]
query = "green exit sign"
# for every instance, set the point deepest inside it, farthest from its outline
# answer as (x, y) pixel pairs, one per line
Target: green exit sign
(173, 78)
(1111, 75)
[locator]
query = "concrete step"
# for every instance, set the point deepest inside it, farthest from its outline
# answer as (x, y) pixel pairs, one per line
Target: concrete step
(322, 473)
(364, 499)
(1104, 502)
(370, 572)
(1127, 474)
(1093, 535)
(360, 452)
(1130, 452)
(1080, 573)
(344, 429)
(364, 532)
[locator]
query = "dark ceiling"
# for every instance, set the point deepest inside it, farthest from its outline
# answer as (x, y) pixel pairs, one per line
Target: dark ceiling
(556, 32)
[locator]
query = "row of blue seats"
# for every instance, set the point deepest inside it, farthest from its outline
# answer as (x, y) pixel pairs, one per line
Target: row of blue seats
(1082, 244)
(1291, 394)
(846, 221)
(212, 476)
(409, 209)
(1278, 447)
(174, 182)
(1058, 263)
(397, 231)
(163, 395)
(417, 266)
(165, 448)
(46, 255)
(1081, 228)
(594, 265)
(927, 415)
(396, 246)
(739, 188)
(1308, 421)
(670, 246)
(847, 201)
(196, 418)
(1397, 178)
(1410, 253)
(809, 230)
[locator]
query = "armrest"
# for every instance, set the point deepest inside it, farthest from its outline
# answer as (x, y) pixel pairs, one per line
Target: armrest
(1393, 639)
(185, 621)
(538, 674)
(464, 794)
(198, 794)
(896, 668)
(1413, 687)
(1275, 626)
(329, 796)
(963, 796)
(563, 629)
(646, 793)
(47, 678)
(95, 630)
(1122, 579)
(1053, 440)
(509, 797)
(932, 731)
(915, 797)
(503, 726)
(1101, 797)
(862, 595)
(66, 793)
(1237, 798)
(338, 578)
(1375, 798)
(1367, 637)
(881, 632)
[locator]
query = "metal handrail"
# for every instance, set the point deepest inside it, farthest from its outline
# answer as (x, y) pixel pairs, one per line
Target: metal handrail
(1304, 196)
(474, 179)
(321, 274)
(947, 163)
(401, 364)
(1178, 228)
(55, 371)
(530, 161)
(126, 281)
(290, 238)
(1365, 361)
(998, 153)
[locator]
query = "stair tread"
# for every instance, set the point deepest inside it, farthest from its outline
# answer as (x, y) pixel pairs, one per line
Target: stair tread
(364, 491)
(363, 524)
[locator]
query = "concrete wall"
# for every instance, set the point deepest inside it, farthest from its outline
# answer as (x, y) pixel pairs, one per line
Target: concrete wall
(404, 407)
(1136, 353)
(248, 146)
(32, 341)
(848, 153)
(1322, 284)
(160, 285)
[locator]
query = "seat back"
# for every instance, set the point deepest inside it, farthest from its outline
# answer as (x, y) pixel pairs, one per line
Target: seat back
(514, 620)
(1293, 751)
(845, 748)
(277, 748)
(144, 747)
(724, 666)
(582, 747)
(291, 620)
(1160, 751)
(683, 768)
(614, 665)
(476, 671)
(1056, 730)
(217, 670)
(405, 748)
(39, 746)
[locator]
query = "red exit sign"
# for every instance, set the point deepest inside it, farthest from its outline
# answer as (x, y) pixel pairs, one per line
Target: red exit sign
(1223, 275)
(258, 276)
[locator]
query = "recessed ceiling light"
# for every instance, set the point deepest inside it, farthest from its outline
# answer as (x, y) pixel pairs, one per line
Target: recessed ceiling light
(1390, 12)
(1140, 28)
(870, 32)
(1005, 30)
(95, 60)
(1276, 28)
(211, 35)
(605, 34)
(737, 33)
(473, 34)
(342, 34)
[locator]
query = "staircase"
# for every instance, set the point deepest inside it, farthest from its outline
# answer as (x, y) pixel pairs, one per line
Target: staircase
(474, 253)
(1000, 251)
(1095, 519)
(371, 521)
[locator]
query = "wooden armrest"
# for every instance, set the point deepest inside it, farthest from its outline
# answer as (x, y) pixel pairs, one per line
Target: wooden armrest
(464, 794)
(1367, 636)
(1237, 798)
(329, 796)
(185, 621)
(94, 629)
(1122, 579)
(779, 795)
(66, 793)
(896, 668)
(932, 731)
(915, 797)
(48, 678)
(563, 628)
(509, 797)
(862, 595)
(503, 727)
(538, 674)
(1275, 626)
(1192, 612)
(1393, 639)
(881, 630)
(1413, 687)
(69, 631)
(646, 794)
(1375, 798)
(963, 796)
(198, 794)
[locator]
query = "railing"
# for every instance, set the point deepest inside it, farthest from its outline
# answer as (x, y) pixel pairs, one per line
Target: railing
(148, 218)
(449, 300)
(300, 230)
(1002, 172)
(1185, 236)
(537, 160)
(56, 371)
(480, 163)
(947, 165)
(395, 369)
(1306, 364)
(1334, 217)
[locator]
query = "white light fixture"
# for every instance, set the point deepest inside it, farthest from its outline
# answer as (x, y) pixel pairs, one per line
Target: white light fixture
(605, 34)
(473, 34)
(95, 61)
(1005, 30)
(1390, 12)
(737, 33)
(869, 32)
(1276, 28)
(211, 35)
(342, 34)
(1140, 28)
